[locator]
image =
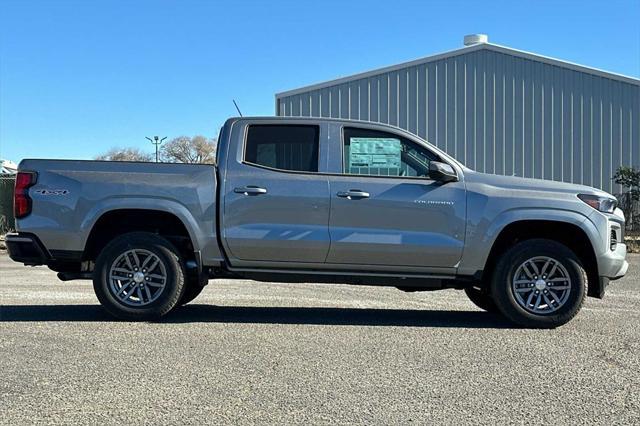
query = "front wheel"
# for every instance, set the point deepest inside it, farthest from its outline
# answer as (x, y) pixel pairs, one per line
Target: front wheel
(539, 284)
(139, 276)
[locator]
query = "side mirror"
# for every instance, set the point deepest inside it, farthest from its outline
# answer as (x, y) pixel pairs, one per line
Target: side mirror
(442, 172)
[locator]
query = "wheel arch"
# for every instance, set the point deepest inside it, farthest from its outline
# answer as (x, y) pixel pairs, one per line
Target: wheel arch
(569, 233)
(114, 222)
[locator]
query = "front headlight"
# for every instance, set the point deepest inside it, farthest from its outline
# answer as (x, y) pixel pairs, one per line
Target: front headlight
(603, 204)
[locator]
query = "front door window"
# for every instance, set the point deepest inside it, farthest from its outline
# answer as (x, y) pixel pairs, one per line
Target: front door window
(374, 153)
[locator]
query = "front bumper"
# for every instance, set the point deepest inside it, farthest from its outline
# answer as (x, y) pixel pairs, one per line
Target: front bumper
(612, 265)
(26, 248)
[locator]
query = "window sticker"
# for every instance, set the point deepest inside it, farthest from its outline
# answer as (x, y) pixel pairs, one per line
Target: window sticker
(375, 152)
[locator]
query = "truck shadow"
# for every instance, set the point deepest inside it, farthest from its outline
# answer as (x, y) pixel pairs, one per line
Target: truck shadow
(268, 315)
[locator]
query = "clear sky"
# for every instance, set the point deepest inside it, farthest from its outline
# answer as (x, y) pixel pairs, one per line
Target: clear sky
(79, 77)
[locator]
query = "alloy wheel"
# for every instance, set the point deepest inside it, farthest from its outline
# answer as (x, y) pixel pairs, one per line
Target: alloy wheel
(541, 285)
(137, 277)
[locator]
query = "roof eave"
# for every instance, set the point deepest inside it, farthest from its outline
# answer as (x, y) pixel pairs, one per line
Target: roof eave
(457, 52)
(366, 74)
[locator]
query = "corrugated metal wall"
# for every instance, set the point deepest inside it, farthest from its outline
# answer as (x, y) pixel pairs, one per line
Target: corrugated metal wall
(498, 113)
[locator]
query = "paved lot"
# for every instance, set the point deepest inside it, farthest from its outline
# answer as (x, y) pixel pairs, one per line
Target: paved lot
(275, 353)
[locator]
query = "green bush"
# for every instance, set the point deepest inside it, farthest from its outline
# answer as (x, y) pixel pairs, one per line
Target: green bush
(629, 200)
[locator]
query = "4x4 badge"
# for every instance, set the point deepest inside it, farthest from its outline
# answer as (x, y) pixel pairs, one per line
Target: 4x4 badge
(52, 191)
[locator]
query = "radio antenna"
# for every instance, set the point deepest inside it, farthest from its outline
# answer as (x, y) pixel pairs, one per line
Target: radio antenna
(234, 102)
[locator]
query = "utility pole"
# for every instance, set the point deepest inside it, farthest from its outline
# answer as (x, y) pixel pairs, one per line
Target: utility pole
(156, 141)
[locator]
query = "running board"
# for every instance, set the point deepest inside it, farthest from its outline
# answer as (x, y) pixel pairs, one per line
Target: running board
(342, 277)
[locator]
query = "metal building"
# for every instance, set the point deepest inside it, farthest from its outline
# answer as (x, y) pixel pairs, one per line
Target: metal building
(497, 110)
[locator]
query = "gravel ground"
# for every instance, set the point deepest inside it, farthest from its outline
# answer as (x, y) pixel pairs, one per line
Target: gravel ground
(248, 352)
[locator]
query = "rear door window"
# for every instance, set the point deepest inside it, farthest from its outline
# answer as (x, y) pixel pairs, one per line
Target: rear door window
(283, 147)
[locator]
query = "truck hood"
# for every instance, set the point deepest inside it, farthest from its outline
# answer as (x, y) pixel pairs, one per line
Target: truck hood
(527, 184)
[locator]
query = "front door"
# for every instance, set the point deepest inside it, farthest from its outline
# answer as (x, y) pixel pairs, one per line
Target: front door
(385, 210)
(276, 205)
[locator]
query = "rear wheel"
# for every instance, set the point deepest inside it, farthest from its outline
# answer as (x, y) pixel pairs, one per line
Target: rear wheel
(539, 283)
(139, 276)
(482, 299)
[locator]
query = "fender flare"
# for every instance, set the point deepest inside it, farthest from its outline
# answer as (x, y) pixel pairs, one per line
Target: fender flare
(140, 203)
(483, 246)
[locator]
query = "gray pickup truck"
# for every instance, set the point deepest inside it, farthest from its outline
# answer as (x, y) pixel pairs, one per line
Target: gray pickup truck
(318, 200)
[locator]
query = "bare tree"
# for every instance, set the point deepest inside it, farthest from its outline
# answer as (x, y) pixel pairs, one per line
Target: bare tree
(184, 149)
(124, 154)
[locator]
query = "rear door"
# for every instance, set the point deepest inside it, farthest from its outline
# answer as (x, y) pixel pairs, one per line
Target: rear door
(276, 202)
(386, 211)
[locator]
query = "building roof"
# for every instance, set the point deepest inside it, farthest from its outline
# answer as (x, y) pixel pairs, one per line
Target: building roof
(461, 51)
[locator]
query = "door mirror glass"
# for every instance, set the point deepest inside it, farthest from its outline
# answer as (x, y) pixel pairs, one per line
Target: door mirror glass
(442, 172)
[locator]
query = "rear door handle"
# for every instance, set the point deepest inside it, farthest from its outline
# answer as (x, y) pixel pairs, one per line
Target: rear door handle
(353, 194)
(250, 190)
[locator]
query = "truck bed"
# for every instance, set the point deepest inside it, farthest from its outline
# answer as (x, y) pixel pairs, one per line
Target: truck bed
(70, 196)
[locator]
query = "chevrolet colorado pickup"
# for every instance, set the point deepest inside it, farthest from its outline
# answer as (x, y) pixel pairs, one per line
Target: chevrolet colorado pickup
(318, 200)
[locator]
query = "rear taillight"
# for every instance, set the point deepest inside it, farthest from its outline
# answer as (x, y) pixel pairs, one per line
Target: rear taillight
(21, 200)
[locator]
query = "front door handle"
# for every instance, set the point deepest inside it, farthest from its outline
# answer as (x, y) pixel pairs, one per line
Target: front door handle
(353, 194)
(250, 190)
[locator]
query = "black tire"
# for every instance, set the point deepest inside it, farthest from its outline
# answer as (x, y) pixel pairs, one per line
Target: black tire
(504, 294)
(482, 299)
(193, 289)
(166, 297)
